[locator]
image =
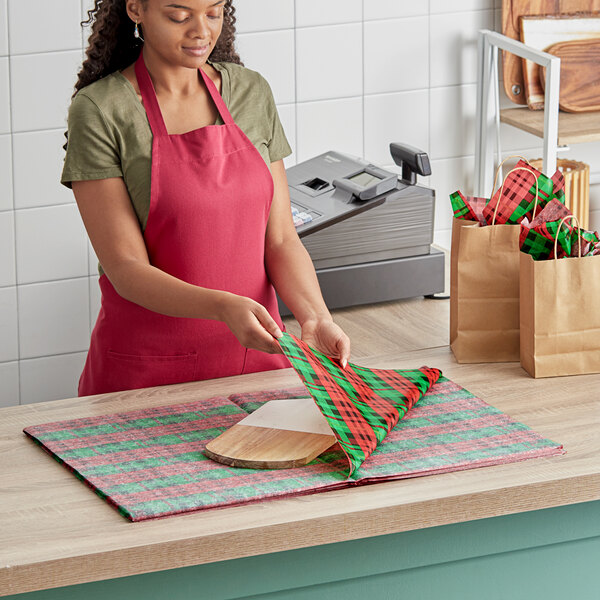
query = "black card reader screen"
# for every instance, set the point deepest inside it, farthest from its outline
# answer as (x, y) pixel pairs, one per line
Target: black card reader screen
(364, 179)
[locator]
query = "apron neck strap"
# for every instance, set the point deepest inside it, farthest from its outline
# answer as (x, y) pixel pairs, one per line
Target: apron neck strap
(149, 97)
(217, 98)
(155, 117)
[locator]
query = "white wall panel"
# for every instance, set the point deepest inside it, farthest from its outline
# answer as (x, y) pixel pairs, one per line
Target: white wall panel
(394, 9)
(452, 121)
(51, 377)
(454, 46)
(327, 12)
(330, 125)
(7, 249)
(38, 163)
(3, 28)
(9, 341)
(396, 55)
(402, 117)
(9, 384)
(264, 15)
(329, 62)
(54, 318)
(51, 244)
(43, 25)
(454, 6)
(4, 96)
(6, 188)
(42, 102)
(256, 52)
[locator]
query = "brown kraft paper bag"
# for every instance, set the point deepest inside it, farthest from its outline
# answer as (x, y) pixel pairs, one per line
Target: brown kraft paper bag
(560, 316)
(484, 292)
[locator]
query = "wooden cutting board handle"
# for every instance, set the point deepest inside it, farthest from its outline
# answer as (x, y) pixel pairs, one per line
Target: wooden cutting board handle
(579, 74)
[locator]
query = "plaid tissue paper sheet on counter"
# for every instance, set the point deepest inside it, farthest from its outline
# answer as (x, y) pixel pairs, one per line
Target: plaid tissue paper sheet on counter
(149, 463)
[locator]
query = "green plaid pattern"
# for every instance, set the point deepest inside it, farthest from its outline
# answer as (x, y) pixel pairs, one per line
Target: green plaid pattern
(361, 405)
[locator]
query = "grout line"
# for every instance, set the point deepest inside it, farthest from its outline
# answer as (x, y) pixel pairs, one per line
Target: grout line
(12, 161)
(382, 20)
(73, 353)
(295, 88)
(45, 52)
(25, 208)
(364, 126)
(44, 281)
(429, 81)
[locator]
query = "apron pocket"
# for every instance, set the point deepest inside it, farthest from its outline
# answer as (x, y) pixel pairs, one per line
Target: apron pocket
(133, 371)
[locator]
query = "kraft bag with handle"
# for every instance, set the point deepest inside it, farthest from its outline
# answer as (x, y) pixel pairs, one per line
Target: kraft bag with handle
(559, 314)
(484, 287)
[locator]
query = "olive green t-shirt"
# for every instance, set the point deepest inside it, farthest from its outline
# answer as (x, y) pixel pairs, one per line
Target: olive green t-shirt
(109, 134)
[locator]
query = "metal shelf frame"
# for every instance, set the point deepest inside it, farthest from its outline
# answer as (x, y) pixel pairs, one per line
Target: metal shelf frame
(488, 104)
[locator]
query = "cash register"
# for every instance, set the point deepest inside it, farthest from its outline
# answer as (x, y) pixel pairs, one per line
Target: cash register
(368, 230)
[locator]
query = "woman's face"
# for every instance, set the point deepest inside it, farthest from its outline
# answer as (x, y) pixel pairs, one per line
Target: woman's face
(182, 32)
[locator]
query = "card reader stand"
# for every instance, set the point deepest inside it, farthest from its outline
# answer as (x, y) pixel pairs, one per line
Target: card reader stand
(370, 232)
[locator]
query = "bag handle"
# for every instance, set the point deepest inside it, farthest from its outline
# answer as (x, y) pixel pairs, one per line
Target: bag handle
(537, 192)
(500, 167)
(568, 217)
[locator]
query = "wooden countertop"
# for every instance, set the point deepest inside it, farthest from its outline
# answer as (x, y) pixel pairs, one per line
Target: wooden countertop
(55, 531)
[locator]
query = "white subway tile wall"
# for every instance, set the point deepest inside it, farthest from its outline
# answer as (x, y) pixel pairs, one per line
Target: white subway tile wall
(257, 50)
(311, 13)
(42, 26)
(3, 28)
(4, 96)
(6, 190)
(7, 249)
(396, 55)
(329, 62)
(38, 158)
(9, 383)
(9, 340)
(266, 15)
(51, 244)
(54, 318)
(329, 125)
(51, 377)
(348, 75)
(41, 86)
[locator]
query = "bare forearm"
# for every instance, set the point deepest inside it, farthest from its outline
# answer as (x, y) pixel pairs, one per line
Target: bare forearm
(291, 271)
(160, 292)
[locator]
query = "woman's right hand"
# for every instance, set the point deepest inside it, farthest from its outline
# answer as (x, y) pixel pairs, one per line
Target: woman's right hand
(251, 323)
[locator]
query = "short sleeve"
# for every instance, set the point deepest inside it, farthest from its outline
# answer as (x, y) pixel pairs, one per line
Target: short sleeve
(92, 150)
(277, 145)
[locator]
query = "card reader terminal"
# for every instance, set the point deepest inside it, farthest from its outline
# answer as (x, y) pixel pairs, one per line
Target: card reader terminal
(365, 184)
(333, 187)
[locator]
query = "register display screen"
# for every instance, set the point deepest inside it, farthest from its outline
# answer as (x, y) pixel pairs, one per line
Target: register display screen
(364, 179)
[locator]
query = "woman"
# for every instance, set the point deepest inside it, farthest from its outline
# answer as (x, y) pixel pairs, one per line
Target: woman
(187, 211)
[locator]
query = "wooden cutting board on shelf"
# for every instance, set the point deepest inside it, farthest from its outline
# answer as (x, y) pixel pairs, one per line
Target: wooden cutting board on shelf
(281, 434)
(543, 32)
(579, 74)
(512, 10)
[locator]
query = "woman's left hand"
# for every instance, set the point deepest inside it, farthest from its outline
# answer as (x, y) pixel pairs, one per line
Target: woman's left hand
(328, 338)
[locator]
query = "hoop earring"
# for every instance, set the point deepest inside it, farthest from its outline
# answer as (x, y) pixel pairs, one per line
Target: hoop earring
(136, 33)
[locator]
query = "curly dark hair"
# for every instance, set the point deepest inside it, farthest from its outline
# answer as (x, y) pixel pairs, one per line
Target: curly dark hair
(112, 46)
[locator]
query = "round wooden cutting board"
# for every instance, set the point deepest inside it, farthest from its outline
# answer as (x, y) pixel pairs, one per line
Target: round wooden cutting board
(281, 434)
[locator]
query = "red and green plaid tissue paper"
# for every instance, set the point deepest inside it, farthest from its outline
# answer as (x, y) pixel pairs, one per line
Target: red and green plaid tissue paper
(361, 405)
(518, 197)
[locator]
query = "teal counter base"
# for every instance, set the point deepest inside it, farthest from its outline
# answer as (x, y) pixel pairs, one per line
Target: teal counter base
(549, 554)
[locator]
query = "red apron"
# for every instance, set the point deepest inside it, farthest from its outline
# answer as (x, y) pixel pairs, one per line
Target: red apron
(211, 193)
